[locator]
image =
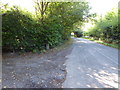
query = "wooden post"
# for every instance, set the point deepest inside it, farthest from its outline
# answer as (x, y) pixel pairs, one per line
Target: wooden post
(47, 46)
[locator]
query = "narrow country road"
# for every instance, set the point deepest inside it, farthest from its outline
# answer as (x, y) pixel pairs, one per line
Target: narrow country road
(91, 65)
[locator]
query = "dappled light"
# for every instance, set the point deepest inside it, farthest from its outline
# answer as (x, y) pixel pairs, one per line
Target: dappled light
(78, 40)
(106, 78)
(47, 44)
(102, 77)
(91, 67)
(82, 42)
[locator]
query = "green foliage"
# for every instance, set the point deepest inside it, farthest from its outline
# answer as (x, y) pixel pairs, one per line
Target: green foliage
(106, 28)
(22, 31)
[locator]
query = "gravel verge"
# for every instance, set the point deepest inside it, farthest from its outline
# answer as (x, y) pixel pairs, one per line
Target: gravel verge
(28, 70)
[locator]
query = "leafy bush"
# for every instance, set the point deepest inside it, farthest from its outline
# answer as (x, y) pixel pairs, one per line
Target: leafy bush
(22, 31)
(107, 28)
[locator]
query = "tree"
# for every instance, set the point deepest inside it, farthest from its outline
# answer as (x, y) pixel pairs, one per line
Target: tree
(40, 7)
(22, 31)
(107, 28)
(67, 14)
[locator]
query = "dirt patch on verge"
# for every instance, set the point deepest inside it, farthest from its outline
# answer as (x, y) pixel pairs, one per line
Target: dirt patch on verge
(46, 70)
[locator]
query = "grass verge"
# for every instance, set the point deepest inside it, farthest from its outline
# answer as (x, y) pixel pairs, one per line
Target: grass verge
(104, 43)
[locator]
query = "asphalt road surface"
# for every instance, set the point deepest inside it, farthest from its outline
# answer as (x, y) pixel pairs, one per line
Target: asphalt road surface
(91, 65)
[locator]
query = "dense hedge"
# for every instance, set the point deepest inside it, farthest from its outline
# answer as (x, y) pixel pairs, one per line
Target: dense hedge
(21, 30)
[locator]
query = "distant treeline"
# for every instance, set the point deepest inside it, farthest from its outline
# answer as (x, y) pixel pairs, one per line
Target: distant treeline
(107, 28)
